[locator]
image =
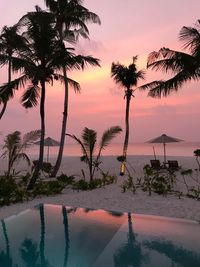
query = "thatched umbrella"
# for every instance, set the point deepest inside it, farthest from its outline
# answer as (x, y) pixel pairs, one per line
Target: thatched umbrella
(48, 142)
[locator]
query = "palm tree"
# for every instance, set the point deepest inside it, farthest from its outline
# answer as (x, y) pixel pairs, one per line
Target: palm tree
(88, 146)
(70, 23)
(10, 42)
(127, 77)
(15, 146)
(184, 66)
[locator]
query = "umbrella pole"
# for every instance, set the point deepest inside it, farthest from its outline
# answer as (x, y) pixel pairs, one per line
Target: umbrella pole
(154, 152)
(48, 154)
(164, 144)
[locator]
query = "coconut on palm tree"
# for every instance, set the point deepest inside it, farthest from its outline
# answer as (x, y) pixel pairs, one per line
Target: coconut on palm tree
(184, 66)
(70, 22)
(128, 78)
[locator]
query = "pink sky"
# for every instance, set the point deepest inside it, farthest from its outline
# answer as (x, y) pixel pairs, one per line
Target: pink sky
(128, 28)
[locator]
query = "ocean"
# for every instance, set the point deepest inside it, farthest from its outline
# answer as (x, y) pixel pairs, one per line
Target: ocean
(172, 149)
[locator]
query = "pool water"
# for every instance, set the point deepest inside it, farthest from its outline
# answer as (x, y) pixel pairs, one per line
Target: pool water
(60, 236)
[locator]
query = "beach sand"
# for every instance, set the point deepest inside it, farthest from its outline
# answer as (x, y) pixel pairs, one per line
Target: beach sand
(112, 198)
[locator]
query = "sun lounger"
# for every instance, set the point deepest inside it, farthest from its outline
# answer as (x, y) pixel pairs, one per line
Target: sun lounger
(173, 165)
(155, 164)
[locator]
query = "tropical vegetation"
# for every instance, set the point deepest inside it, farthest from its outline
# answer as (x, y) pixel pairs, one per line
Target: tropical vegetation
(185, 66)
(88, 143)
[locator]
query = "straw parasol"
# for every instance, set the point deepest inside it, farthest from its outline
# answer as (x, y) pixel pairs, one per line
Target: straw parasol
(164, 139)
(48, 142)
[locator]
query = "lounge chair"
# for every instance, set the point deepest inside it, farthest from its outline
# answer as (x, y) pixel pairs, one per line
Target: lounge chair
(155, 164)
(173, 165)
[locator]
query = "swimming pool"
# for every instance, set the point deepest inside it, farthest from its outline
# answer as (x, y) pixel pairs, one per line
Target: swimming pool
(60, 236)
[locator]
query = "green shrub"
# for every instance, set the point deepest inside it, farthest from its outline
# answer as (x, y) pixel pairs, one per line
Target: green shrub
(48, 188)
(7, 189)
(128, 184)
(81, 185)
(66, 179)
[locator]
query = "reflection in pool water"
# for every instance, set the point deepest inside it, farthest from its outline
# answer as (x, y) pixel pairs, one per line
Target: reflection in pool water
(60, 236)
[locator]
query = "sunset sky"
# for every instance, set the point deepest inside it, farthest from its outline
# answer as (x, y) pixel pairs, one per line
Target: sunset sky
(128, 28)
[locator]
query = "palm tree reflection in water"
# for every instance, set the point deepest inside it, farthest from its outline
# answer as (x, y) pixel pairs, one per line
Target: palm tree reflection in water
(130, 253)
(5, 259)
(66, 234)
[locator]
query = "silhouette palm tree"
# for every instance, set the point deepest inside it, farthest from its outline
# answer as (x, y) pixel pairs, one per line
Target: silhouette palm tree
(10, 43)
(70, 23)
(127, 77)
(184, 66)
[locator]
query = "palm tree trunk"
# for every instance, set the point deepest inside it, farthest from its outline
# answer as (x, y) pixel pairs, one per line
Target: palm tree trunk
(128, 99)
(41, 153)
(64, 125)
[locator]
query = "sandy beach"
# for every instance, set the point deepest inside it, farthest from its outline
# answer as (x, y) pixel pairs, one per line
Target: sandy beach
(112, 198)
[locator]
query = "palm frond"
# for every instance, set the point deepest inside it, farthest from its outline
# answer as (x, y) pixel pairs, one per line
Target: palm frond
(30, 137)
(89, 137)
(84, 151)
(169, 60)
(164, 88)
(7, 90)
(23, 156)
(30, 97)
(108, 135)
(191, 38)
(83, 61)
(75, 85)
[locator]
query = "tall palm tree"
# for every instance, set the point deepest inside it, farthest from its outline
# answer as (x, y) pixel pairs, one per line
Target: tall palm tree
(70, 23)
(184, 66)
(127, 77)
(89, 146)
(10, 42)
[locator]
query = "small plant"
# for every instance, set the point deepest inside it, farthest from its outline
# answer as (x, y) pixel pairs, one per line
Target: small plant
(128, 184)
(81, 185)
(160, 182)
(67, 180)
(194, 193)
(88, 146)
(15, 146)
(48, 188)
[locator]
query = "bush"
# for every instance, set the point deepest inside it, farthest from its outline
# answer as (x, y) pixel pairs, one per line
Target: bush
(48, 188)
(128, 184)
(81, 185)
(67, 180)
